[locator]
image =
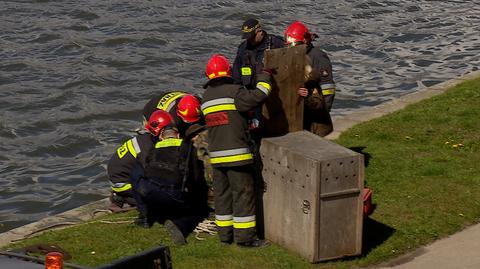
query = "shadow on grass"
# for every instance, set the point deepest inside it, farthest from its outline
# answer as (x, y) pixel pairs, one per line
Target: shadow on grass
(374, 234)
(366, 155)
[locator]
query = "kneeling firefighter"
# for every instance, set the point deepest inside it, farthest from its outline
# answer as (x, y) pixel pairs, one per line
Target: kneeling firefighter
(169, 186)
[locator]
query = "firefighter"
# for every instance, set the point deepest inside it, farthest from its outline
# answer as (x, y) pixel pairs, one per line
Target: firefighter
(319, 88)
(249, 61)
(184, 108)
(225, 105)
(121, 164)
(169, 185)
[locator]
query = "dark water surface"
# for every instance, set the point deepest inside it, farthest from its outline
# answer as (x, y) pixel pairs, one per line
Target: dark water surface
(74, 75)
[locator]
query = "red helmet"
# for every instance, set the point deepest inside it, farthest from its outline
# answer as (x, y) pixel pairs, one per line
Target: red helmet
(157, 121)
(218, 66)
(188, 109)
(296, 33)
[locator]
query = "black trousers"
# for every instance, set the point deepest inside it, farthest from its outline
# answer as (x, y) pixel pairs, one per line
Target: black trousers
(234, 203)
(159, 202)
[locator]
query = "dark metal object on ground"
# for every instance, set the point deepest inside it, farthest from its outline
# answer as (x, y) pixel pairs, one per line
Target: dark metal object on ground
(157, 258)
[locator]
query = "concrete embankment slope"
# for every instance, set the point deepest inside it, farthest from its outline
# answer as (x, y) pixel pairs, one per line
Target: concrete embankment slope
(458, 251)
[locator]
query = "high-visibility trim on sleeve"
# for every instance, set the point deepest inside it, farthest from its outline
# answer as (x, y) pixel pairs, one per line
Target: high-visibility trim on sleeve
(328, 92)
(131, 148)
(121, 187)
(169, 142)
(264, 87)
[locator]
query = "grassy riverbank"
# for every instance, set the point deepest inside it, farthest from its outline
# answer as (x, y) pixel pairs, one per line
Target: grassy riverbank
(421, 162)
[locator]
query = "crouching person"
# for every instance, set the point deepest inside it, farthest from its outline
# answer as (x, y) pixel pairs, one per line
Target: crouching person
(169, 186)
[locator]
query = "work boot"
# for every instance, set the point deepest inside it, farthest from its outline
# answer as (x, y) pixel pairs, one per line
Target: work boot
(116, 200)
(256, 243)
(175, 233)
(143, 221)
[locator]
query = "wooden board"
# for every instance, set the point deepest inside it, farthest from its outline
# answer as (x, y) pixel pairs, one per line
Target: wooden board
(283, 110)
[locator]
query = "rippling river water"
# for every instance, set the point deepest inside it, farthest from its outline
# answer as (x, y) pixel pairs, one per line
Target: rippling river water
(74, 75)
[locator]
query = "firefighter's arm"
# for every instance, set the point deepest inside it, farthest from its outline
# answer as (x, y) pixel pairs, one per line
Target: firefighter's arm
(315, 100)
(327, 84)
(237, 64)
(246, 100)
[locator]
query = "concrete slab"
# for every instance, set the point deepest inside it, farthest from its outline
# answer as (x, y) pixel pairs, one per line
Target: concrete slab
(457, 251)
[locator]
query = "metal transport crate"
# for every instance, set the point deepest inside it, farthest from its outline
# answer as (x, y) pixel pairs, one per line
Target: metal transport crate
(313, 202)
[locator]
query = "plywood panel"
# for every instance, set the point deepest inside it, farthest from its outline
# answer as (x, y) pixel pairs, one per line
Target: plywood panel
(283, 110)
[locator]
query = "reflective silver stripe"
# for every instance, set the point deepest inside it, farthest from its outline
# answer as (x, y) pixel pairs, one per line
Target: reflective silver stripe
(244, 219)
(135, 145)
(118, 185)
(229, 152)
(263, 89)
(327, 86)
(219, 101)
(170, 106)
(223, 217)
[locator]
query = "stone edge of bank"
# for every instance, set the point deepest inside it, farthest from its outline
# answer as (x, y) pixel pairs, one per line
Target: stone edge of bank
(340, 123)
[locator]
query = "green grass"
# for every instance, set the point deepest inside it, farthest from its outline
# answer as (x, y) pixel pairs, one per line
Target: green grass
(422, 163)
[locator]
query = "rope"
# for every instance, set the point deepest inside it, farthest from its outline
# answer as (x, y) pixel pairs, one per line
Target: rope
(206, 226)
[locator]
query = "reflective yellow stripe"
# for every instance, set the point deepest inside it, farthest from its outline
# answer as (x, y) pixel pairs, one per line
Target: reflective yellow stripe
(328, 91)
(131, 148)
(266, 85)
(246, 71)
(244, 225)
(218, 108)
(224, 223)
(169, 142)
(126, 187)
(167, 99)
(229, 159)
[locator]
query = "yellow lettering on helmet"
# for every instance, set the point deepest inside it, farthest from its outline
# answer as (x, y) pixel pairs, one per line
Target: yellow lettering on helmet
(167, 99)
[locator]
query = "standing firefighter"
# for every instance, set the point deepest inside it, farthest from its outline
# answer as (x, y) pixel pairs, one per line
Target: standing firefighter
(224, 106)
(248, 62)
(319, 88)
